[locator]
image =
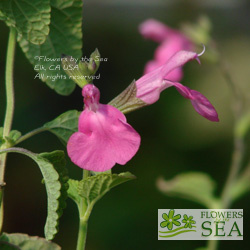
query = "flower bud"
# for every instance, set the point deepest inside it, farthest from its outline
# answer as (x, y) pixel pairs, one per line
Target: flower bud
(83, 72)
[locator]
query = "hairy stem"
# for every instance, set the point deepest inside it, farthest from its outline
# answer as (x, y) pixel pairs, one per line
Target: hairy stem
(9, 110)
(9, 95)
(9, 82)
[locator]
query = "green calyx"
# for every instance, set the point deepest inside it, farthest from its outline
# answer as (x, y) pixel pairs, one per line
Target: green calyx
(82, 71)
(127, 101)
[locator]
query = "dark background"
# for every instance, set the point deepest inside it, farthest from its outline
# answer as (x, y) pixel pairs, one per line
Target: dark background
(175, 138)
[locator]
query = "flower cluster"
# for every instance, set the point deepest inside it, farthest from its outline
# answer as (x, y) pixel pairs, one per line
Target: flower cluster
(170, 40)
(104, 137)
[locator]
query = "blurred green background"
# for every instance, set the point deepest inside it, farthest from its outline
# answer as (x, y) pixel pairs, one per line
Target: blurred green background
(175, 138)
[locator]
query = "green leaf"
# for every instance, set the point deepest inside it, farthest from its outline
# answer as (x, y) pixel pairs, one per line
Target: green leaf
(194, 186)
(30, 18)
(19, 241)
(73, 191)
(55, 183)
(65, 37)
(95, 187)
(57, 158)
(127, 100)
(49, 163)
(14, 135)
(64, 125)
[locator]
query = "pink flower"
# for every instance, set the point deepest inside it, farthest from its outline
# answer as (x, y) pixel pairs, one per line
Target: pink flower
(104, 137)
(171, 41)
(152, 84)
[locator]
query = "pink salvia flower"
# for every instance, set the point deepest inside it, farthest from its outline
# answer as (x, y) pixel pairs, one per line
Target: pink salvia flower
(152, 84)
(171, 41)
(104, 137)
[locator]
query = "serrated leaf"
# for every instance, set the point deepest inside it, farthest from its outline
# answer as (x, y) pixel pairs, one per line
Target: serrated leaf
(19, 241)
(65, 37)
(49, 163)
(194, 186)
(14, 135)
(64, 125)
(73, 191)
(55, 183)
(59, 163)
(95, 187)
(127, 100)
(30, 18)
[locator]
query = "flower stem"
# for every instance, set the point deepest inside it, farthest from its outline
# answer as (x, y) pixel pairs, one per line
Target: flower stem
(239, 149)
(213, 244)
(82, 234)
(234, 171)
(9, 82)
(84, 212)
(1, 207)
(9, 110)
(226, 199)
(9, 96)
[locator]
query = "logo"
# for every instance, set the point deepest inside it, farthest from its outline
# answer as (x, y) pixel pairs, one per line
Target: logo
(200, 224)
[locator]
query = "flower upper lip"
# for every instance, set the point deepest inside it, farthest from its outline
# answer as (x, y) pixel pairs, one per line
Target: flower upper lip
(153, 83)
